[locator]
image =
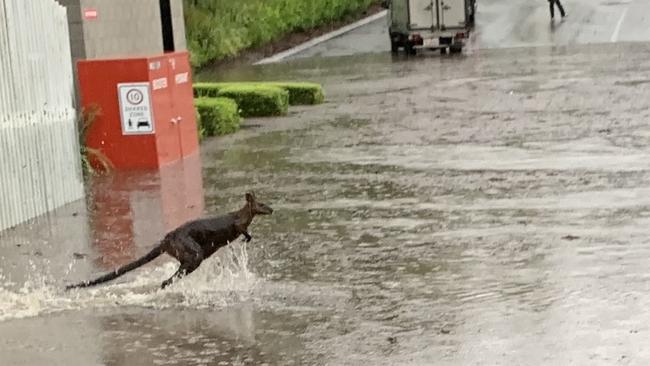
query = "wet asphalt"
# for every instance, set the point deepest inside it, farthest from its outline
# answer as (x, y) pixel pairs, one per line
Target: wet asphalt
(484, 209)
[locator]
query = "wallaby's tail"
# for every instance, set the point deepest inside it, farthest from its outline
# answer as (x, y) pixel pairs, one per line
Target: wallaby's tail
(153, 254)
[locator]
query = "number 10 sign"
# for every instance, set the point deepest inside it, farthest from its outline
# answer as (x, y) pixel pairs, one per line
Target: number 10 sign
(135, 108)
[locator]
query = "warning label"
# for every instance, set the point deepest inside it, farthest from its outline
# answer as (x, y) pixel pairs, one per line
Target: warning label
(135, 108)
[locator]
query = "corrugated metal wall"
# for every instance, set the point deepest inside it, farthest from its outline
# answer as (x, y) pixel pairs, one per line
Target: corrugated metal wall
(39, 151)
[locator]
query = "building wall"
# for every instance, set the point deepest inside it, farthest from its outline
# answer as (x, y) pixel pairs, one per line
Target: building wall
(180, 42)
(123, 28)
(75, 26)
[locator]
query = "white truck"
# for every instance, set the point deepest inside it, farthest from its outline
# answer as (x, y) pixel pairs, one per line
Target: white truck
(435, 24)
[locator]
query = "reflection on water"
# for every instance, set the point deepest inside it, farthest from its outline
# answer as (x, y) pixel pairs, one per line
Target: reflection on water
(127, 214)
(133, 210)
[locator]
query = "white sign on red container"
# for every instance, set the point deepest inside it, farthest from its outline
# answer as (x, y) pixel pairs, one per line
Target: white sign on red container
(160, 83)
(135, 108)
(182, 78)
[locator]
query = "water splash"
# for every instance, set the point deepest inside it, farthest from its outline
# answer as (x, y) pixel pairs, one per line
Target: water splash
(221, 280)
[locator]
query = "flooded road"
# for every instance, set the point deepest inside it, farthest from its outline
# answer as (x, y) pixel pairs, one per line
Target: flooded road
(483, 209)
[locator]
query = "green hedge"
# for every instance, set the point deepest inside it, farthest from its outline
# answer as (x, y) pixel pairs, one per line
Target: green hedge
(302, 93)
(257, 100)
(199, 123)
(208, 90)
(218, 116)
(299, 93)
(217, 29)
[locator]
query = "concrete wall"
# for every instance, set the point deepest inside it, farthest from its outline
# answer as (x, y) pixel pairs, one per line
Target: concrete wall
(123, 28)
(180, 42)
(75, 25)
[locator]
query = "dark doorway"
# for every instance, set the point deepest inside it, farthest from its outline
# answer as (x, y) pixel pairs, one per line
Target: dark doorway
(167, 25)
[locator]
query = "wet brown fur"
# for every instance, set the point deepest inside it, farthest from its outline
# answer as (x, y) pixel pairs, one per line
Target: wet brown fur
(194, 241)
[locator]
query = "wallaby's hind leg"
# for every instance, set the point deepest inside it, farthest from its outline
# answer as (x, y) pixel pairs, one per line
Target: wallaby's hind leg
(183, 271)
(189, 254)
(171, 279)
(247, 236)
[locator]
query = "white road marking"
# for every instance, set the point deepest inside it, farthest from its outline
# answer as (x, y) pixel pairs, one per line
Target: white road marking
(617, 30)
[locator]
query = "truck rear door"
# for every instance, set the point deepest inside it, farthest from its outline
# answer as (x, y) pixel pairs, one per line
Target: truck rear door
(421, 14)
(452, 14)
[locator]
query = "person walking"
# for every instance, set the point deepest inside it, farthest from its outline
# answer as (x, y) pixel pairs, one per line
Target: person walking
(552, 4)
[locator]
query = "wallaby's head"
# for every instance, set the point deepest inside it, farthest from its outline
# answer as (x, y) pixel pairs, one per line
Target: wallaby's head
(257, 207)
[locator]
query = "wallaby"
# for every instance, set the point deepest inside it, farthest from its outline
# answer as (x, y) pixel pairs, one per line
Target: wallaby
(194, 241)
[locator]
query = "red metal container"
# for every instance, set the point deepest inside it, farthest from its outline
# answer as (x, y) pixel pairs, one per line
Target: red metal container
(146, 106)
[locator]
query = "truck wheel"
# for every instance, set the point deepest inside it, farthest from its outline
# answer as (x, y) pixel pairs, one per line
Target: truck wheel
(394, 46)
(456, 49)
(409, 48)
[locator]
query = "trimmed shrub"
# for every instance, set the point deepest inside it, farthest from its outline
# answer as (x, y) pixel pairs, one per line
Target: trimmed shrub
(218, 116)
(218, 29)
(300, 93)
(207, 90)
(199, 125)
(257, 100)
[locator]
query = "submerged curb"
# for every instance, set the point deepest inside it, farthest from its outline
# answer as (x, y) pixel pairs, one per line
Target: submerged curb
(325, 37)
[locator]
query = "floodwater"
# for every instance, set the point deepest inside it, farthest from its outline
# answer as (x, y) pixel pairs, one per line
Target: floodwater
(486, 209)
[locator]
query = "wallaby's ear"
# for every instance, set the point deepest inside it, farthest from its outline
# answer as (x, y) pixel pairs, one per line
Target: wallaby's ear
(250, 197)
